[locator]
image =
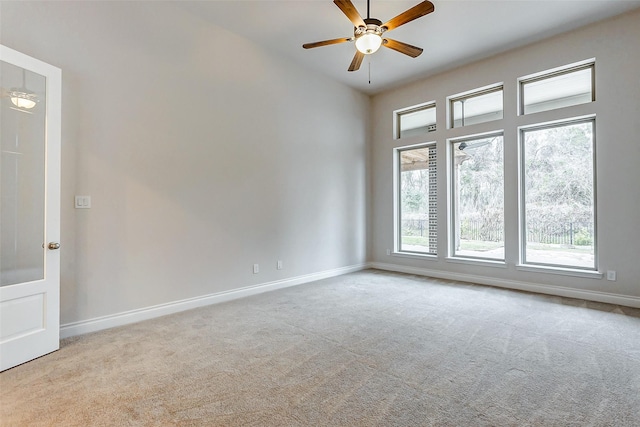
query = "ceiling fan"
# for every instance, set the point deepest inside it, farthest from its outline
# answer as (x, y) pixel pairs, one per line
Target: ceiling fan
(368, 32)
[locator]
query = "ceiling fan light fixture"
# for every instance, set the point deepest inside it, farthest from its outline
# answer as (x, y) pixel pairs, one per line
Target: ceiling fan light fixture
(22, 98)
(369, 42)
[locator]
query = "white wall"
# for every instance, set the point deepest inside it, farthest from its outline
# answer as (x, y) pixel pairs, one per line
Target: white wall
(614, 44)
(202, 153)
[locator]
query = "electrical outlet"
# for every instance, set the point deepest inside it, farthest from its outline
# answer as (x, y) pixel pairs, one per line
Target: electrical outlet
(611, 275)
(256, 269)
(388, 251)
(279, 265)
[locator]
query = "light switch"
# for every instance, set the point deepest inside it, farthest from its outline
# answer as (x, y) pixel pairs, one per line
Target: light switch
(83, 202)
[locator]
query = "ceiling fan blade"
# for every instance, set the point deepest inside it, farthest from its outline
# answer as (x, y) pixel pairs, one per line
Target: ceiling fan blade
(415, 12)
(405, 48)
(350, 10)
(325, 43)
(357, 60)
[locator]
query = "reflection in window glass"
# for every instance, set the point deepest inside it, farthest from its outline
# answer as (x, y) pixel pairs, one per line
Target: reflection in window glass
(558, 195)
(478, 108)
(417, 193)
(557, 90)
(22, 175)
(478, 198)
(417, 121)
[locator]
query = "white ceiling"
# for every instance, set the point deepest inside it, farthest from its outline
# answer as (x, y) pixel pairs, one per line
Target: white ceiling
(458, 32)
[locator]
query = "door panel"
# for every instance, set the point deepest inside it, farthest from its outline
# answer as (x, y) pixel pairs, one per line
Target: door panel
(29, 208)
(22, 316)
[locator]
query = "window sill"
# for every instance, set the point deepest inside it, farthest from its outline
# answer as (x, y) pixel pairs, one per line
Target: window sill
(589, 274)
(475, 261)
(413, 255)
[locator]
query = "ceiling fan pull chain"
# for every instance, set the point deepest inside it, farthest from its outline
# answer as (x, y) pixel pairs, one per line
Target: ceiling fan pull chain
(369, 61)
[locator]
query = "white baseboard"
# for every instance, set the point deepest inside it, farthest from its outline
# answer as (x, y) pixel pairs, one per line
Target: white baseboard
(625, 300)
(133, 316)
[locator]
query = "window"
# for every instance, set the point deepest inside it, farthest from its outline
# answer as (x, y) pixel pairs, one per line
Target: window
(555, 175)
(477, 194)
(415, 120)
(417, 219)
(477, 107)
(558, 194)
(563, 88)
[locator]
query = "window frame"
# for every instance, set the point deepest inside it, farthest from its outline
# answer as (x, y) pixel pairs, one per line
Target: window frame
(523, 264)
(452, 204)
(496, 87)
(397, 202)
(397, 117)
(555, 72)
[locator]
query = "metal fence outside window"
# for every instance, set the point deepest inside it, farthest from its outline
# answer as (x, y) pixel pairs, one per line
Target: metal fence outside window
(415, 227)
(563, 233)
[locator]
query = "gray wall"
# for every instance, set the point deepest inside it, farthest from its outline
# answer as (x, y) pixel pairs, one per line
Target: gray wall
(614, 44)
(202, 153)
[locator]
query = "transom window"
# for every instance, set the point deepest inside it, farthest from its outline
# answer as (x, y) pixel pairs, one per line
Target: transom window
(563, 88)
(415, 120)
(480, 106)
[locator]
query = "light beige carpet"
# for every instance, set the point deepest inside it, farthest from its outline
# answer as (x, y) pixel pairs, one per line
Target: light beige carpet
(365, 349)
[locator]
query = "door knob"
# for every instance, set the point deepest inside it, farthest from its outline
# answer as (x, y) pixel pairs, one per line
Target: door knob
(54, 245)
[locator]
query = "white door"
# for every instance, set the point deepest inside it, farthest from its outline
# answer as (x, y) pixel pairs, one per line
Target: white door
(29, 208)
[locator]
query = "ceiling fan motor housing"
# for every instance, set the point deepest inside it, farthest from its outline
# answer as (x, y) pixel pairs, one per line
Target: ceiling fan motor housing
(373, 26)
